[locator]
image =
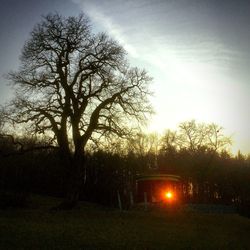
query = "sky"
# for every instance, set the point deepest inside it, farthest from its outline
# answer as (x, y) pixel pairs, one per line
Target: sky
(197, 51)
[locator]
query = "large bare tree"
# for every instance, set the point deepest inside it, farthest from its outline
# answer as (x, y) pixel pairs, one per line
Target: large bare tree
(76, 86)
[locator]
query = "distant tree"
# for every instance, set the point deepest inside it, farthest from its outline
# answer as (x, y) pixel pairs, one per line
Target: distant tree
(142, 144)
(168, 154)
(198, 143)
(192, 151)
(1, 122)
(145, 147)
(196, 136)
(169, 142)
(76, 86)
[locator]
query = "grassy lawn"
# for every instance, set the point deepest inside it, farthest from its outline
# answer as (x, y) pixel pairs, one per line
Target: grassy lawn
(93, 227)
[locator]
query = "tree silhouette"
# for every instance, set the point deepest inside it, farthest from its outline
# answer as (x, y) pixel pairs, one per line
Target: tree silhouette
(196, 136)
(192, 151)
(76, 86)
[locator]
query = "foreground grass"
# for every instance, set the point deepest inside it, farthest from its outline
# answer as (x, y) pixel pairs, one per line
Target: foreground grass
(93, 227)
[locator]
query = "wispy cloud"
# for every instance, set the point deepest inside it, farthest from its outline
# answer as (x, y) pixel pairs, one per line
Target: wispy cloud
(158, 33)
(185, 51)
(108, 25)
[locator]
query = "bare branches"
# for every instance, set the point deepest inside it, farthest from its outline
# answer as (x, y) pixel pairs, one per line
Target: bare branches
(73, 83)
(197, 136)
(19, 147)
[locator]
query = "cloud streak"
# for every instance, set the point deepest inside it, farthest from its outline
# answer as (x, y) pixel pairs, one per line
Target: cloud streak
(192, 63)
(161, 33)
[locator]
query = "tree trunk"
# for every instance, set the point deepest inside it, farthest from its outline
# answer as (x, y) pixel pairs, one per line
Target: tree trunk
(74, 180)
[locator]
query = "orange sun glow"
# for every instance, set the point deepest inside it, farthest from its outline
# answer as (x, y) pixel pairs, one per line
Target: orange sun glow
(169, 195)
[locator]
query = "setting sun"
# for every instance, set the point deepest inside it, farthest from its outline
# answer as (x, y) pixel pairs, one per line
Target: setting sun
(169, 195)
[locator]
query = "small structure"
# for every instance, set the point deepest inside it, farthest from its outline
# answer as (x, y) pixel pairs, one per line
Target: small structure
(159, 188)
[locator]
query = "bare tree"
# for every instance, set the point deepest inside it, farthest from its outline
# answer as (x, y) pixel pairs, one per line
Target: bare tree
(169, 141)
(76, 86)
(195, 136)
(142, 144)
(193, 151)
(200, 141)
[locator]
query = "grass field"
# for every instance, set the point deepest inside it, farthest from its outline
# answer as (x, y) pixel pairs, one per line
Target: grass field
(93, 227)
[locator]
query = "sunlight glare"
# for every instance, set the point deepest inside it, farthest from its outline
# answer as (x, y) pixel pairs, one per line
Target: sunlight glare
(169, 195)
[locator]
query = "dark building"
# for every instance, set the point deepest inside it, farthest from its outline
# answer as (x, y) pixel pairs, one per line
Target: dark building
(158, 188)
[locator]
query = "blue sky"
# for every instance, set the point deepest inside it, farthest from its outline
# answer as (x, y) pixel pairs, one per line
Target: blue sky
(198, 53)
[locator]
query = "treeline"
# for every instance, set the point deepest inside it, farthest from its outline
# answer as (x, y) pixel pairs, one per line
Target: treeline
(196, 152)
